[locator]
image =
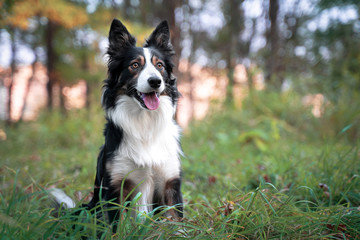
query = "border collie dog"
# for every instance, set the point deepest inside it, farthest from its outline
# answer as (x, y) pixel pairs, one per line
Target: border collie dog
(142, 149)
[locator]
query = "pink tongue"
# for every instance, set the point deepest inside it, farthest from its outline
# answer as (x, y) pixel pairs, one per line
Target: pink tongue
(151, 100)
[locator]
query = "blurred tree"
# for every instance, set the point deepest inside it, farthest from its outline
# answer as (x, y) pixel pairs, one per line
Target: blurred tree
(190, 34)
(6, 9)
(294, 35)
(54, 15)
(301, 42)
(228, 45)
(151, 12)
(274, 64)
(286, 35)
(232, 30)
(32, 38)
(337, 48)
(51, 59)
(13, 35)
(167, 11)
(70, 33)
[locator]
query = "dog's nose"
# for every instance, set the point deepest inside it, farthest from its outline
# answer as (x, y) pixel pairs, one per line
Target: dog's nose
(154, 82)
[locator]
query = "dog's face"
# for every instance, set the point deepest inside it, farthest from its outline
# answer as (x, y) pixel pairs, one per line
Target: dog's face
(142, 73)
(145, 77)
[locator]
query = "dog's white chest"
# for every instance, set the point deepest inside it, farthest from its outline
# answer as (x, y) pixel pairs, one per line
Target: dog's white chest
(150, 151)
(150, 140)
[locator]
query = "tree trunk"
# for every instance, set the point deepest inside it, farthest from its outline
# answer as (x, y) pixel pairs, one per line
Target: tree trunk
(229, 100)
(115, 10)
(190, 78)
(62, 100)
(233, 30)
(27, 89)
(51, 61)
(13, 71)
(88, 95)
(126, 7)
(273, 75)
(174, 28)
(194, 46)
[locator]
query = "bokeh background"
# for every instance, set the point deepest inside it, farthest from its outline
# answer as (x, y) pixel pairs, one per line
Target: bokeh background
(53, 52)
(270, 110)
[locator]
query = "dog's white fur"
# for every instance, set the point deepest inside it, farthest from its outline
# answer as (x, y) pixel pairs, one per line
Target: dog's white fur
(150, 151)
(60, 197)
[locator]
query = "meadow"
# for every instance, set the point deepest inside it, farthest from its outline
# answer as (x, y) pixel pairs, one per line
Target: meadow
(267, 170)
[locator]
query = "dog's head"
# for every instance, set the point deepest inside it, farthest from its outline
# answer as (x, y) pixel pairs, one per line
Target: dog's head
(142, 73)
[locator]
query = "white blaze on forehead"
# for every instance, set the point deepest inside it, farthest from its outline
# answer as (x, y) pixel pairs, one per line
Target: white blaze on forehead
(148, 72)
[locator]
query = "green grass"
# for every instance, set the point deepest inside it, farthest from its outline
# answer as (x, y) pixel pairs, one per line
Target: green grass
(269, 170)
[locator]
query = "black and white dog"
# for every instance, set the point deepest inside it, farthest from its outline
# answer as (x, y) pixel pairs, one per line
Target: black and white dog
(142, 149)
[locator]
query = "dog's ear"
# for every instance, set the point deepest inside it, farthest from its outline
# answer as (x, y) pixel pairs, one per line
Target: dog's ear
(119, 36)
(160, 38)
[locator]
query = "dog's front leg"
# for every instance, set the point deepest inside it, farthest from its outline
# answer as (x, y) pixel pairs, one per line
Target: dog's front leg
(144, 204)
(173, 197)
(113, 212)
(137, 181)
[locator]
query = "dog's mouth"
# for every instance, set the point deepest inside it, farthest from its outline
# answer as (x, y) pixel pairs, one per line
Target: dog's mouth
(150, 100)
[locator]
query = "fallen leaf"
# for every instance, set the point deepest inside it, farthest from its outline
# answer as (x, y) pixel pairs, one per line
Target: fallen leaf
(229, 208)
(78, 195)
(324, 187)
(267, 179)
(35, 158)
(29, 189)
(341, 227)
(211, 180)
(89, 196)
(286, 188)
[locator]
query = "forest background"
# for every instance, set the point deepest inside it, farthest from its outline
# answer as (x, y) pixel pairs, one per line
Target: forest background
(272, 150)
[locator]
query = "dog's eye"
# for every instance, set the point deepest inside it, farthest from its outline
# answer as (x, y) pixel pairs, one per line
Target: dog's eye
(135, 65)
(159, 65)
